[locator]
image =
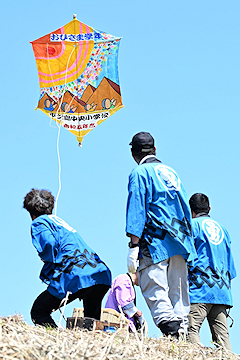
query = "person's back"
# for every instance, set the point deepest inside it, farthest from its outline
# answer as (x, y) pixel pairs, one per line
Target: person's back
(161, 201)
(122, 298)
(159, 225)
(210, 277)
(71, 268)
(74, 265)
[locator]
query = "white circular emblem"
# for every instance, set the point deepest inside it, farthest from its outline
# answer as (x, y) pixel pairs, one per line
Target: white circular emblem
(61, 222)
(213, 231)
(168, 177)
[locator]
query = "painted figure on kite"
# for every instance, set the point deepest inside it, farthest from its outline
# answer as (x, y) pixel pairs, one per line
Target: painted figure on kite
(78, 76)
(49, 104)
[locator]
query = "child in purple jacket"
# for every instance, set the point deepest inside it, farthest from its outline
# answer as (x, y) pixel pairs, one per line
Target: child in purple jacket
(122, 298)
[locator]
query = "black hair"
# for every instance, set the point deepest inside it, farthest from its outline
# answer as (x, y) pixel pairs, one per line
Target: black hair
(199, 203)
(39, 202)
(139, 154)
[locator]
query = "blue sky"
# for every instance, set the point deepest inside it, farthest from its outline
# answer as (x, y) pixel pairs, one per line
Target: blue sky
(179, 75)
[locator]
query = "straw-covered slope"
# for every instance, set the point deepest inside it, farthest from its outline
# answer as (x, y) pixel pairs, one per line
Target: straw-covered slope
(19, 340)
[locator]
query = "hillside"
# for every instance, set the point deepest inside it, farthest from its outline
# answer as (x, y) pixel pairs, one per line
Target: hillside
(19, 340)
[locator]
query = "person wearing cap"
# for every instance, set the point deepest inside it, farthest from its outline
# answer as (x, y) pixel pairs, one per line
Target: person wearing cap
(159, 225)
(210, 277)
(71, 268)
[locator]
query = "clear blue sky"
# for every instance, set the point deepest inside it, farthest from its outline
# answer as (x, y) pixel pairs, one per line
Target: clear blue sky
(179, 69)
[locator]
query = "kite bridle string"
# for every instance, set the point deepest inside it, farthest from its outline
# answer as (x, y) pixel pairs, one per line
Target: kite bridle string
(59, 127)
(49, 68)
(59, 171)
(75, 47)
(76, 64)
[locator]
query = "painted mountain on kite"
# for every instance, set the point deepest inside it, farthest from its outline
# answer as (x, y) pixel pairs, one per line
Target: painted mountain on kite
(106, 96)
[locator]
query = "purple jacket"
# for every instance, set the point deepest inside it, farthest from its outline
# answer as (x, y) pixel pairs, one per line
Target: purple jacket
(122, 295)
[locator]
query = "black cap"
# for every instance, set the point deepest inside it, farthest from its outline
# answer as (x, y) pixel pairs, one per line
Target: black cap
(142, 142)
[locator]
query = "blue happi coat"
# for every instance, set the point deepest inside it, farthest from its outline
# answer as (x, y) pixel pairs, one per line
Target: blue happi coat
(69, 263)
(210, 277)
(158, 212)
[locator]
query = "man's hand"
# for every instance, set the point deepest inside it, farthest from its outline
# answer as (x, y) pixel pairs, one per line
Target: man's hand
(138, 313)
(132, 259)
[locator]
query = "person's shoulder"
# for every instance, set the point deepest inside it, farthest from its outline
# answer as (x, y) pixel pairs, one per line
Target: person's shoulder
(222, 227)
(197, 222)
(209, 220)
(209, 225)
(139, 174)
(199, 219)
(41, 220)
(136, 172)
(219, 223)
(39, 224)
(146, 167)
(164, 168)
(121, 279)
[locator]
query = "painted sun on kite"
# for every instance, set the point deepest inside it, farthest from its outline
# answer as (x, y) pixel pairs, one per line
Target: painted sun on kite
(78, 76)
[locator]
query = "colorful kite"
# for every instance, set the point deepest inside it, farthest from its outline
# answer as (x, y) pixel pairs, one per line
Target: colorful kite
(78, 75)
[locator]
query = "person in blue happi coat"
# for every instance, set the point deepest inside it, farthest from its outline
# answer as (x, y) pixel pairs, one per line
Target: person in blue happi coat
(210, 277)
(159, 226)
(70, 267)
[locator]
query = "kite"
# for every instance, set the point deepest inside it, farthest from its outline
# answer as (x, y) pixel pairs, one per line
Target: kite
(78, 76)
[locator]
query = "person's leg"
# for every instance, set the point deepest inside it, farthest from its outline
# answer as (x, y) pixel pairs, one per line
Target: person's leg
(154, 286)
(92, 300)
(217, 319)
(42, 307)
(179, 288)
(197, 314)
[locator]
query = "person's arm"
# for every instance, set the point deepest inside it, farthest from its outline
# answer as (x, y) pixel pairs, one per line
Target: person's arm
(47, 272)
(133, 252)
(136, 217)
(130, 310)
(136, 205)
(125, 296)
(138, 313)
(134, 239)
(44, 242)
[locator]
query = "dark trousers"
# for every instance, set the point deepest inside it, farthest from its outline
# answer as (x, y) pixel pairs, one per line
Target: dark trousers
(46, 303)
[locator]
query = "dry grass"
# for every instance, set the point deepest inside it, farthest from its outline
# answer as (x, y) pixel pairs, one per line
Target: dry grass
(19, 340)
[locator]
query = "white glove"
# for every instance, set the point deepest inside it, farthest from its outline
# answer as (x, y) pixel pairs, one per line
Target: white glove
(132, 259)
